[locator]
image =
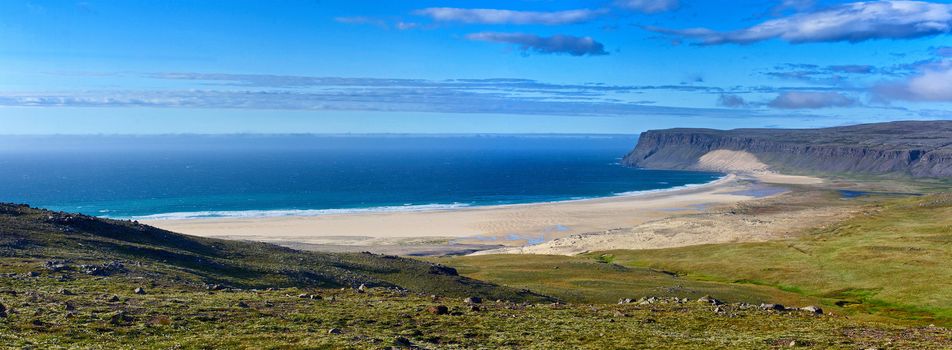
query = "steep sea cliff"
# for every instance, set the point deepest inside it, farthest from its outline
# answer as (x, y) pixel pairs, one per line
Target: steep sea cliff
(916, 149)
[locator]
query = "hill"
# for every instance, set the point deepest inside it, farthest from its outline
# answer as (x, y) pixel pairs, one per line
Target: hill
(71, 281)
(76, 243)
(911, 149)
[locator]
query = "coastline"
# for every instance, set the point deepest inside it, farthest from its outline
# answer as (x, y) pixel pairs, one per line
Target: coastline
(511, 225)
(434, 207)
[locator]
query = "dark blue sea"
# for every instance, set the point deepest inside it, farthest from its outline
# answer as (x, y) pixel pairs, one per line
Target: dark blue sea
(189, 176)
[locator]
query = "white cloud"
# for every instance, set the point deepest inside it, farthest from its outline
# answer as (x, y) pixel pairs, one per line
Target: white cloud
(731, 101)
(932, 83)
(496, 16)
(648, 6)
(853, 22)
(556, 44)
(811, 100)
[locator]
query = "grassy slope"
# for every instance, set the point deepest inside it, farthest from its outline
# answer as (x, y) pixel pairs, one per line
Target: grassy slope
(183, 316)
(594, 280)
(70, 309)
(168, 258)
(893, 260)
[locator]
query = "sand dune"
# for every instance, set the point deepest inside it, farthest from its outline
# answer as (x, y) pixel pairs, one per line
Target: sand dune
(731, 161)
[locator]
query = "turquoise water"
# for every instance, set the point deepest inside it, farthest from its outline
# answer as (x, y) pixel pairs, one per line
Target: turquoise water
(259, 176)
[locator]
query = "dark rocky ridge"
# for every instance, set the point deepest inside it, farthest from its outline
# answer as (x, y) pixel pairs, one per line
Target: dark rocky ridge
(909, 148)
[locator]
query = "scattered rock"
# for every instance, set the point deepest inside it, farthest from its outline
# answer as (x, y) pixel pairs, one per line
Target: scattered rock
(32, 274)
(620, 314)
(316, 297)
(56, 265)
(473, 300)
(334, 331)
(214, 287)
(304, 296)
(66, 292)
(775, 307)
(402, 342)
(139, 290)
(362, 289)
(438, 310)
(443, 270)
(708, 299)
(625, 301)
(813, 309)
(120, 318)
(106, 269)
(113, 299)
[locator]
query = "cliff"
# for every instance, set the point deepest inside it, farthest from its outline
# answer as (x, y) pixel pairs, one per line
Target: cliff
(911, 148)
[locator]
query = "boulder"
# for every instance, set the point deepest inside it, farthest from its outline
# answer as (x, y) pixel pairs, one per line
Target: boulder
(242, 305)
(334, 331)
(402, 342)
(56, 265)
(120, 318)
(813, 309)
(438, 310)
(774, 307)
(113, 298)
(709, 300)
(473, 300)
(139, 290)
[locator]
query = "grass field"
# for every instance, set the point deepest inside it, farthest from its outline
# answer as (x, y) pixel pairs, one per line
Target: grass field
(207, 293)
(44, 312)
(890, 261)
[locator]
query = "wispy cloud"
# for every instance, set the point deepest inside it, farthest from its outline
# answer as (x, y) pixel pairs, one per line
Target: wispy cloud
(811, 100)
(556, 44)
(731, 101)
(275, 92)
(852, 22)
(835, 75)
(648, 6)
(362, 20)
(796, 5)
(944, 51)
(498, 16)
(933, 82)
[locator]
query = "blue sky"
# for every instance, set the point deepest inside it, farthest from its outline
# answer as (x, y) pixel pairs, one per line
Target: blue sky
(527, 66)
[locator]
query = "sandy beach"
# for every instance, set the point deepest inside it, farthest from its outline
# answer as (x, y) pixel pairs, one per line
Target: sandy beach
(488, 227)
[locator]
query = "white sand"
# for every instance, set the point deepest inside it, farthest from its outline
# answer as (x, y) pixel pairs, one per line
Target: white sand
(567, 227)
(509, 225)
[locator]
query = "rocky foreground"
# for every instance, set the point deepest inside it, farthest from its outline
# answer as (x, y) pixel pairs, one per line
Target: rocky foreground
(67, 307)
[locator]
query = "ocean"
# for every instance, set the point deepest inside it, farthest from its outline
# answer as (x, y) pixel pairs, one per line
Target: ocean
(193, 176)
